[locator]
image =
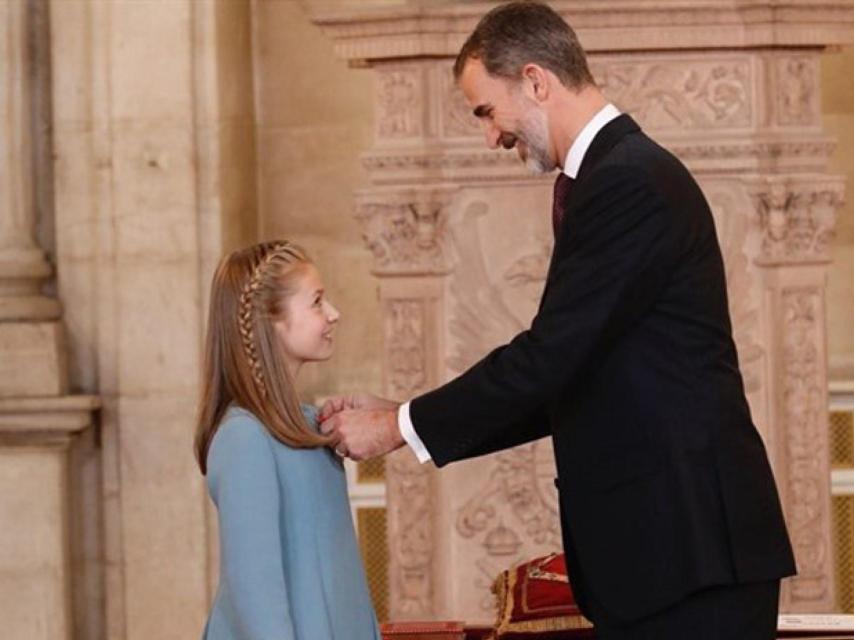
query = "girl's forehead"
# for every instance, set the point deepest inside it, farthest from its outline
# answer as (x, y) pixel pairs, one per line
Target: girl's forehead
(309, 277)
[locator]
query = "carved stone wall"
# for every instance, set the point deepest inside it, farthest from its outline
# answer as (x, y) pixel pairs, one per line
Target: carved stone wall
(461, 240)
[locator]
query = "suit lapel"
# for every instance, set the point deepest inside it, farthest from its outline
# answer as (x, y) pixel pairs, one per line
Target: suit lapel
(602, 143)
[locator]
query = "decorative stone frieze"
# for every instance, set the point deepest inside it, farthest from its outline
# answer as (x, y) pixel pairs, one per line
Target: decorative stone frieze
(720, 155)
(681, 94)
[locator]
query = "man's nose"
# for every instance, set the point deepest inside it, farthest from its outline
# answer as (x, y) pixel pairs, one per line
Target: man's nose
(493, 135)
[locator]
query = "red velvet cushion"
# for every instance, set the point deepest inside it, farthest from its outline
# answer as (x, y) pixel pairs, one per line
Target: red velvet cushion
(535, 601)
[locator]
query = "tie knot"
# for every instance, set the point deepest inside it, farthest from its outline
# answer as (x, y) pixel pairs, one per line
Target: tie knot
(562, 184)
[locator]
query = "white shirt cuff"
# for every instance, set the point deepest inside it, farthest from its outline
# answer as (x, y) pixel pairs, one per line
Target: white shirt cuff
(407, 430)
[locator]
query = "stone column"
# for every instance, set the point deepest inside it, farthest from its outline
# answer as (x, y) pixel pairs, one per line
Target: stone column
(796, 215)
(45, 569)
(36, 569)
(31, 341)
(154, 181)
(405, 231)
(732, 89)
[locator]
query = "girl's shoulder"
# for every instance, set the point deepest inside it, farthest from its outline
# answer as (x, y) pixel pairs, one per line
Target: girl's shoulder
(237, 417)
(239, 427)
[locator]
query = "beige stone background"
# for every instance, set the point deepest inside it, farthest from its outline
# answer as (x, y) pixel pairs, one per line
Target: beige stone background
(315, 116)
(837, 89)
(181, 129)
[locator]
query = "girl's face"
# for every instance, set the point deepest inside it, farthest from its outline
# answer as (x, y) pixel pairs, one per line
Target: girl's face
(305, 331)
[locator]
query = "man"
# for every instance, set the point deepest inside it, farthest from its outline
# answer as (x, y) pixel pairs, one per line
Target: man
(671, 521)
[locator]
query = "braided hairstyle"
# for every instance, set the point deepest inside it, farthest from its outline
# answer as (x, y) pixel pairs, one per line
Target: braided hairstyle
(243, 358)
(251, 298)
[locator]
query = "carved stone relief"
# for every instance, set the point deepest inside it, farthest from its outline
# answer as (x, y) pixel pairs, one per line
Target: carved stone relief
(411, 535)
(797, 90)
(513, 514)
(738, 239)
(399, 103)
(405, 346)
(804, 414)
(797, 218)
(409, 482)
(510, 511)
(680, 93)
(405, 231)
(485, 313)
(458, 121)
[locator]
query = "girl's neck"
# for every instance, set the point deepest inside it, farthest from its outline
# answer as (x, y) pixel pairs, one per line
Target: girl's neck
(293, 369)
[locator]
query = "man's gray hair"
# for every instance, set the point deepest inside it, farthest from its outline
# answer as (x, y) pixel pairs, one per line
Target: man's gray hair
(519, 33)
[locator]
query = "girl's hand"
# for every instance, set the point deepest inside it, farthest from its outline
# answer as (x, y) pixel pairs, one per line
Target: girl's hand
(337, 404)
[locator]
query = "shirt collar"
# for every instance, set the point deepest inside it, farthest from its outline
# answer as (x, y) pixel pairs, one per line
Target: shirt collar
(582, 142)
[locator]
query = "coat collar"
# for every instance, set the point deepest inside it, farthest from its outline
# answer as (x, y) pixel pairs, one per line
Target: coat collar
(604, 141)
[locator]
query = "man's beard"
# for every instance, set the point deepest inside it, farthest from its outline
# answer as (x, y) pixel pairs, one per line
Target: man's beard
(534, 132)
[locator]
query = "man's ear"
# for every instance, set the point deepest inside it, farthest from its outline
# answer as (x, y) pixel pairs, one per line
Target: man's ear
(536, 82)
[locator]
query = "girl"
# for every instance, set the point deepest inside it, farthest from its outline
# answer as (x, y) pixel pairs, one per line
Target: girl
(289, 564)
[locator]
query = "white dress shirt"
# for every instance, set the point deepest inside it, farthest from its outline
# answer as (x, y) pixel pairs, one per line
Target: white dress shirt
(570, 167)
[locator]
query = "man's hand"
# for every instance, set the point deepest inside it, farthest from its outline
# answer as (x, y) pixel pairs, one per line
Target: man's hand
(336, 404)
(360, 434)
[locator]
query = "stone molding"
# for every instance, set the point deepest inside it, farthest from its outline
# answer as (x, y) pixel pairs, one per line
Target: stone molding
(365, 35)
(475, 163)
(45, 421)
(797, 216)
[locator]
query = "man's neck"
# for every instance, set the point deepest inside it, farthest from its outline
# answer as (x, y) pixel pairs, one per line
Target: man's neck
(572, 112)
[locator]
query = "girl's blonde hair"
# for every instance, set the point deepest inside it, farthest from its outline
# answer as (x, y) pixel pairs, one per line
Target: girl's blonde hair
(243, 362)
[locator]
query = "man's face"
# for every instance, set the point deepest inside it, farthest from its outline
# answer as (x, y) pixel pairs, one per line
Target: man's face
(509, 117)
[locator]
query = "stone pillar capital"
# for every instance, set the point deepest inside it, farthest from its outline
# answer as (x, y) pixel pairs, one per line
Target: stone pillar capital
(797, 216)
(406, 230)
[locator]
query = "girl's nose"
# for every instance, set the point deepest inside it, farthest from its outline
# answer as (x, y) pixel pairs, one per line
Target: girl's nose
(332, 314)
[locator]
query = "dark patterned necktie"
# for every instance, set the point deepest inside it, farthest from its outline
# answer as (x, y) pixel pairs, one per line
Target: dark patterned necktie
(563, 185)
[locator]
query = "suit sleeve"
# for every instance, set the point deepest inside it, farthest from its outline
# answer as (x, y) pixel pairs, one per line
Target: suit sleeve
(613, 262)
(244, 486)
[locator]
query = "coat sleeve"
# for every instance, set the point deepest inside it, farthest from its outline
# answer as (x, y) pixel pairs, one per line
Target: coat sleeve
(612, 264)
(244, 485)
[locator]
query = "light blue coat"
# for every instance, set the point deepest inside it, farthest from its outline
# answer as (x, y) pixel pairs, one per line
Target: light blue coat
(290, 567)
